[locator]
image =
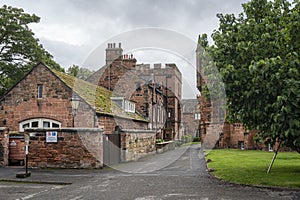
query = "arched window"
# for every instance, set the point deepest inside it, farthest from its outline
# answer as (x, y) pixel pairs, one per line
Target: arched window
(39, 123)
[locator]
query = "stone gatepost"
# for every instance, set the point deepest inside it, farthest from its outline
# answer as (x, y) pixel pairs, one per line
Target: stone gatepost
(4, 141)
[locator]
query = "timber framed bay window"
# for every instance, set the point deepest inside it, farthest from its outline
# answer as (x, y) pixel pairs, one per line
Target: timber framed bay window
(39, 123)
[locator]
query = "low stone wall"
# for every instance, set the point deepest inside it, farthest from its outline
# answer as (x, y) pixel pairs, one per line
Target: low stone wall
(4, 140)
(165, 146)
(136, 144)
(75, 148)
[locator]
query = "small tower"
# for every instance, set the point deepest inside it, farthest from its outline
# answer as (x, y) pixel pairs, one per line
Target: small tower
(199, 77)
(113, 52)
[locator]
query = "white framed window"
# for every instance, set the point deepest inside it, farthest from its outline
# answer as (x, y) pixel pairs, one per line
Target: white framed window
(197, 116)
(158, 114)
(126, 105)
(129, 106)
(39, 123)
(154, 114)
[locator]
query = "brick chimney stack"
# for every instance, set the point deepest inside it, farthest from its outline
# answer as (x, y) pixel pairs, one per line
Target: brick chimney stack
(113, 52)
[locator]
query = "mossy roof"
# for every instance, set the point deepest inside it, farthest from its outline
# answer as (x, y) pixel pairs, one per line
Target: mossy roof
(97, 97)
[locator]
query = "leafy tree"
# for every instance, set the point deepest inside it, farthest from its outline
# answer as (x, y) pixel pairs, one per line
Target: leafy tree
(78, 72)
(19, 49)
(257, 53)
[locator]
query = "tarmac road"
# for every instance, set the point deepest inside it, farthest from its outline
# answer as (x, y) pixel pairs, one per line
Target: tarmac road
(176, 174)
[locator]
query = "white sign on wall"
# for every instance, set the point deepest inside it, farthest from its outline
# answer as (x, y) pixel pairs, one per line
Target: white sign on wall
(51, 136)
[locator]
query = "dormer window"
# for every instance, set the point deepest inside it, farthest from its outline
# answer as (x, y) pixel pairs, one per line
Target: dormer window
(124, 104)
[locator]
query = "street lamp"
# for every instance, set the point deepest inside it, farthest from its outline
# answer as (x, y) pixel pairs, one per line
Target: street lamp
(75, 104)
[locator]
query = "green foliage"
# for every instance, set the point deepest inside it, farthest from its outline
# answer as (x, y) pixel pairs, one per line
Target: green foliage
(159, 140)
(19, 49)
(186, 138)
(196, 139)
(257, 54)
(250, 167)
(78, 72)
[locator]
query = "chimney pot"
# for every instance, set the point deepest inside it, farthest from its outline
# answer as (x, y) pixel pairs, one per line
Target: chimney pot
(119, 44)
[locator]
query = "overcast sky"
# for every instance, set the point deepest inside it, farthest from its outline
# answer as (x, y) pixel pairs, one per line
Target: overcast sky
(72, 29)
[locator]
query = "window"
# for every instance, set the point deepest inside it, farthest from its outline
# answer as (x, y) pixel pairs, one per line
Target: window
(197, 116)
(162, 115)
(154, 114)
(138, 86)
(40, 91)
(25, 125)
(35, 124)
(46, 124)
(221, 134)
(55, 125)
(124, 104)
(129, 106)
(158, 114)
(241, 145)
(39, 123)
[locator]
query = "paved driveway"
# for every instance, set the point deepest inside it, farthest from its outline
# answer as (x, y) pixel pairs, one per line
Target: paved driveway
(178, 174)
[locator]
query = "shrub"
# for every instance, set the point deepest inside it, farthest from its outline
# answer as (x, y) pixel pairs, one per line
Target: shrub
(196, 139)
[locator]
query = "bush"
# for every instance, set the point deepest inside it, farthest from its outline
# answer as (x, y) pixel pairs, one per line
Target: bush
(196, 139)
(159, 140)
(186, 138)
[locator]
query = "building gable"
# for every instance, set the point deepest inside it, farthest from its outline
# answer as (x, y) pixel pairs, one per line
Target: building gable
(39, 94)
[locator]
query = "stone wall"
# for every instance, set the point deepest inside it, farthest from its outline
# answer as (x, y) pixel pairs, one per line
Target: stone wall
(21, 103)
(109, 123)
(136, 144)
(75, 148)
(4, 142)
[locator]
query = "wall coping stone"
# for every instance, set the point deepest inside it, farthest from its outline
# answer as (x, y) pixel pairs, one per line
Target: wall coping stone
(67, 129)
(138, 131)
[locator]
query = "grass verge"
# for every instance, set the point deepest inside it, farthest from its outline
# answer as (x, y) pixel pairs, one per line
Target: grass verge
(250, 167)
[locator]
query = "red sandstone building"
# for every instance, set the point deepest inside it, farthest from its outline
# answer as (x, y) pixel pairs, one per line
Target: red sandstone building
(156, 91)
(119, 114)
(190, 117)
(41, 103)
(214, 130)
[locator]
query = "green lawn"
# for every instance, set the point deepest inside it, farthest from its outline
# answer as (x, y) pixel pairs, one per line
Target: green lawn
(250, 167)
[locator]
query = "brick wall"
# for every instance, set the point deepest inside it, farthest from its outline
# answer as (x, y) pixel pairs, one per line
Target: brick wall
(109, 75)
(136, 144)
(190, 124)
(75, 148)
(21, 103)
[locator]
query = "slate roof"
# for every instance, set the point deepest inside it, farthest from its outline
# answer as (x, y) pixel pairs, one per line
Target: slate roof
(97, 97)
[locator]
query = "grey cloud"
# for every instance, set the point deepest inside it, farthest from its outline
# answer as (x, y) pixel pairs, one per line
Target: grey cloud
(102, 20)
